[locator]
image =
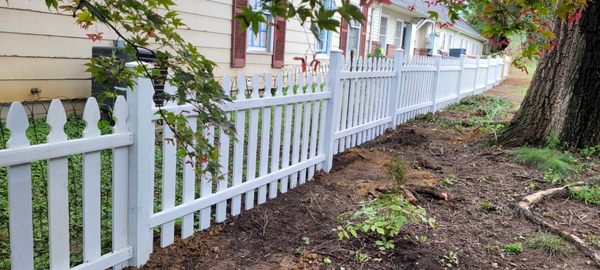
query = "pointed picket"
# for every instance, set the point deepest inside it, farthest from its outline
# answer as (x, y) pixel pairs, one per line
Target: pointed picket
(120, 180)
(297, 132)
(238, 147)
(316, 107)
(205, 186)
(221, 209)
(169, 173)
(189, 183)
(264, 141)
(58, 192)
(19, 193)
(306, 127)
(276, 143)
(91, 186)
(252, 144)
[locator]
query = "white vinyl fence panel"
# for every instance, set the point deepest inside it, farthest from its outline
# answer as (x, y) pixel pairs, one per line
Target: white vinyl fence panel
(286, 131)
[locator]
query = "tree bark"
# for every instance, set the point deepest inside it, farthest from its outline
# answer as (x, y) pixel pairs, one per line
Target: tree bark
(564, 96)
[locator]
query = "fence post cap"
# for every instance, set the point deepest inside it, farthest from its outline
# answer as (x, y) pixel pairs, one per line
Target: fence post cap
(336, 50)
(399, 50)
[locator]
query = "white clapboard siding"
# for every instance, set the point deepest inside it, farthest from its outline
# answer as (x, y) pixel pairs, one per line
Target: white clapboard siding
(285, 132)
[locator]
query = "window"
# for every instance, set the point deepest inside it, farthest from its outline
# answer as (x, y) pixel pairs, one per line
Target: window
(353, 36)
(383, 25)
(404, 33)
(322, 44)
(399, 37)
(449, 41)
(262, 40)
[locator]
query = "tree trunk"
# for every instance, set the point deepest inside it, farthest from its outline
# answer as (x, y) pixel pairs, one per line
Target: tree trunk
(564, 96)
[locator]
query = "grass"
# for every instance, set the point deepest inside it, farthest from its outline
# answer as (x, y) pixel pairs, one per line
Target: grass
(589, 195)
(549, 243)
(484, 112)
(513, 248)
(487, 206)
(554, 163)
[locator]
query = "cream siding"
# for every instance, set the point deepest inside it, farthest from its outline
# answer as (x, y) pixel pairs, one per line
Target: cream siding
(45, 50)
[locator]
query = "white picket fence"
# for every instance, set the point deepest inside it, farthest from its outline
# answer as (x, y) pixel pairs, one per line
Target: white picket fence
(285, 133)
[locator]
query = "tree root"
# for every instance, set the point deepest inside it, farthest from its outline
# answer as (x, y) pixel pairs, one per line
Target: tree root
(523, 208)
(410, 190)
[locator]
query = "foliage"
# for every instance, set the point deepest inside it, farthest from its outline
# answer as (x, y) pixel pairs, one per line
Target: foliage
(554, 163)
(527, 22)
(484, 112)
(487, 206)
(449, 180)
(450, 260)
(589, 195)
(514, 248)
(383, 217)
(593, 240)
(549, 243)
(590, 151)
(396, 169)
(378, 53)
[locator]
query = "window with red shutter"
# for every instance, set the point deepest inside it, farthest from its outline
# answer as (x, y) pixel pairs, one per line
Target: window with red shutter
(279, 43)
(238, 37)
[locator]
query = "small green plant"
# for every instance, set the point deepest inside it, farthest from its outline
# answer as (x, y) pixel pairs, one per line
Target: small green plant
(487, 206)
(549, 243)
(550, 161)
(590, 151)
(427, 117)
(589, 195)
(449, 180)
(513, 248)
(362, 257)
(593, 240)
(396, 169)
(306, 240)
(384, 217)
(450, 260)
(327, 261)
(553, 177)
(553, 142)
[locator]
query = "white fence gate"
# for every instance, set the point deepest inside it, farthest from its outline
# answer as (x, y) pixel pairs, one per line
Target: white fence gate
(285, 133)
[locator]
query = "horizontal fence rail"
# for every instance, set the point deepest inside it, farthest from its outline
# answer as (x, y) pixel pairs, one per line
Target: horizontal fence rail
(288, 128)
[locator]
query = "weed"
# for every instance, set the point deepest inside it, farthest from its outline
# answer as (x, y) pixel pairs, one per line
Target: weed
(487, 206)
(549, 243)
(593, 240)
(384, 217)
(327, 261)
(513, 248)
(450, 261)
(306, 240)
(449, 180)
(551, 161)
(553, 142)
(362, 257)
(428, 117)
(396, 169)
(590, 151)
(486, 110)
(589, 195)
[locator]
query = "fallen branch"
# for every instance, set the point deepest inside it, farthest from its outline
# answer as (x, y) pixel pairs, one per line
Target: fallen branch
(523, 208)
(409, 195)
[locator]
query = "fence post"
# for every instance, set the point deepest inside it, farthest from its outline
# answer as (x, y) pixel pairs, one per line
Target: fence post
(141, 169)
(460, 76)
(332, 117)
(399, 57)
(436, 82)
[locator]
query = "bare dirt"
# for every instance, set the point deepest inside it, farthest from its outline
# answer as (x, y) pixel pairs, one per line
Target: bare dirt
(297, 230)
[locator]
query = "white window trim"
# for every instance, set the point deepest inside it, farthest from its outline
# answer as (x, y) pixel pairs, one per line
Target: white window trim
(348, 35)
(387, 28)
(270, 39)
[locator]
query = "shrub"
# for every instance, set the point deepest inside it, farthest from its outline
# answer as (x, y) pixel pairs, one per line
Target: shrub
(549, 243)
(383, 217)
(396, 169)
(513, 248)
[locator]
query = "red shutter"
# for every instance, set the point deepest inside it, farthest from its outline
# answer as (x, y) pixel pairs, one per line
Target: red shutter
(363, 31)
(279, 43)
(238, 37)
(343, 35)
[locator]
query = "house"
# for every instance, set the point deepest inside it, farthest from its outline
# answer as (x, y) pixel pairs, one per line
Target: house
(407, 24)
(42, 52)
